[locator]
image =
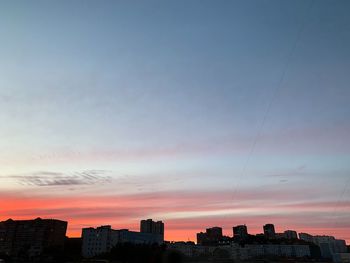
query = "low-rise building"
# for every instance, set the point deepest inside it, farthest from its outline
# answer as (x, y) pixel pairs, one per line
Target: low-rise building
(306, 237)
(329, 245)
(341, 257)
(290, 234)
(246, 252)
(126, 236)
(274, 250)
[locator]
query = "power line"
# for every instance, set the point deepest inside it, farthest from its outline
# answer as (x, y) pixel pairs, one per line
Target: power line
(335, 215)
(274, 96)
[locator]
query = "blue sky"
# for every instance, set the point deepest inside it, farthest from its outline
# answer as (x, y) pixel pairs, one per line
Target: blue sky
(177, 92)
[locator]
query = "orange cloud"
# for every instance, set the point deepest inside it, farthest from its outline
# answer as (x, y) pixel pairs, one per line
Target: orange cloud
(184, 213)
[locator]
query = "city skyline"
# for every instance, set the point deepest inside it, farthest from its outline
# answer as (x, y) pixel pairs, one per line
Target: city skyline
(149, 227)
(233, 112)
(45, 240)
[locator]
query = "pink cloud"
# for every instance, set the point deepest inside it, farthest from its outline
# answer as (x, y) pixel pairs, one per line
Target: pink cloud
(196, 208)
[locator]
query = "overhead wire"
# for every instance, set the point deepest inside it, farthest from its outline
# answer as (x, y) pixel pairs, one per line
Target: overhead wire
(275, 92)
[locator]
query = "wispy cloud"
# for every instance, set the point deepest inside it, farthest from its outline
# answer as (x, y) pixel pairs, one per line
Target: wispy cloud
(49, 178)
(187, 210)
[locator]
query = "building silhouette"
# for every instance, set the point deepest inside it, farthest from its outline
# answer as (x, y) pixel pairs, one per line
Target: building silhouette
(306, 237)
(269, 245)
(29, 238)
(240, 232)
(269, 231)
(152, 227)
(211, 236)
(330, 246)
(290, 234)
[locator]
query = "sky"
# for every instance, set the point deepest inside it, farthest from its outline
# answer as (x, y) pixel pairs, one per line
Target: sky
(196, 113)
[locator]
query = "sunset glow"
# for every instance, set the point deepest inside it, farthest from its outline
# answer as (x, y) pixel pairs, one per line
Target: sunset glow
(196, 113)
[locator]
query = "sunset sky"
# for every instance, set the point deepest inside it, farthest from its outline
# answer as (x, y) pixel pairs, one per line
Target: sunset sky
(197, 113)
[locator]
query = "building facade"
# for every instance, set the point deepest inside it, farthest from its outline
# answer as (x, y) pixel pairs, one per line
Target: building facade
(250, 251)
(96, 241)
(273, 250)
(29, 238)
(102, 239)
(329, 246)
